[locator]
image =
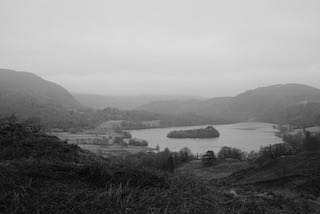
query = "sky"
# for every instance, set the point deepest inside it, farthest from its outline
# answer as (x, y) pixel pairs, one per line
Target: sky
(198, 47)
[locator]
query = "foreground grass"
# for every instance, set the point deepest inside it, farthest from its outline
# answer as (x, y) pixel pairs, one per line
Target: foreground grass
(44, 187)
(40, 174)
(40, 187)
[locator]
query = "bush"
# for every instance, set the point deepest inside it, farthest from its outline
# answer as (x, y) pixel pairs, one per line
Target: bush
(311, 142)
(164, 160)
(118, 140)
(137, 142)
(228, 152)
(208, 158)
(274, 151)
(295, 142)
(127, 135)
(252, 156)
(185, 155)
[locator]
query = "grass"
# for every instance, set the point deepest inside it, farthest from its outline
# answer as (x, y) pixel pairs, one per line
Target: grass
(43, 187)
(218, 170)
(40, 174)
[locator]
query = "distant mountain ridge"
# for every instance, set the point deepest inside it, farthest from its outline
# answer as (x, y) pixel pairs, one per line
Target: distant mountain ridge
(36, 101)
(125, 102)
(280, 103)
(28, 95)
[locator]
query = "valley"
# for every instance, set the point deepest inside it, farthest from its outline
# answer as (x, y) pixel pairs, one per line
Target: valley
(159, 107)
(266, 157)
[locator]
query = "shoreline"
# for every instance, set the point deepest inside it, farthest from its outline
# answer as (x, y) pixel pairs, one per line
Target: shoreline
(167, 127)
(245, 136)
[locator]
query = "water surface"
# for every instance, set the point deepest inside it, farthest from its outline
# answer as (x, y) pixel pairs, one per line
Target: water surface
(245, 136)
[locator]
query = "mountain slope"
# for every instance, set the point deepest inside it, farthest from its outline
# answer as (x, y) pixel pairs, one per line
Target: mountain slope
(28, 95)
(171, 106)
(125, 102)
(298, 173)
(274, 103)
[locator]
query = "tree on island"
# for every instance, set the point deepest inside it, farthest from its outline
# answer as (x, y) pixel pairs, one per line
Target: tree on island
(208, 132)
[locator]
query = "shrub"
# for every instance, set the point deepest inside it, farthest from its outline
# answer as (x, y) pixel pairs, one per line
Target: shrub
(127, 135)
(208, 158)
(138, 142)
(295, 141)
(228, 152)
(252, 156)
(118, 140)
(185, 155)
(311, 142)
(274, 151)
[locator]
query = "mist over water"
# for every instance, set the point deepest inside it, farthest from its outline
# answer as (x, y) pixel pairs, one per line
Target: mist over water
(245, 136)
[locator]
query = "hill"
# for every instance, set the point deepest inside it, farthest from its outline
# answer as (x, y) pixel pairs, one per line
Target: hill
(36, 100)
(172, 106)
(125, 102)
(28, 95)
(299, 173)
(284, 103)
(273, 102)
(41, 174)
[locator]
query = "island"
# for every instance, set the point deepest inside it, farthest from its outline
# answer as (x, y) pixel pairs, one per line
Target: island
(208, 132)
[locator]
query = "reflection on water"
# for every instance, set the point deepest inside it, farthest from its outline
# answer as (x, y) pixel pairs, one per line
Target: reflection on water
(245, 136)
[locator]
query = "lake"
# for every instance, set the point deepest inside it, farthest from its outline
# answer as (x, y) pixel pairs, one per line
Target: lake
(245, 136)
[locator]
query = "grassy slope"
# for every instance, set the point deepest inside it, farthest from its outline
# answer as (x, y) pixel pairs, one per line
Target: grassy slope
(40, 174)
(219, 170)
(297, 173)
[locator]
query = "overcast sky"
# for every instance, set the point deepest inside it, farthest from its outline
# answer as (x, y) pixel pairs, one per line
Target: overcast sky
(199, 47)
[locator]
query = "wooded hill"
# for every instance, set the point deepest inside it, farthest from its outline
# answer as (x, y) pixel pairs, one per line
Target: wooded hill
(32, 98)
(289, 103)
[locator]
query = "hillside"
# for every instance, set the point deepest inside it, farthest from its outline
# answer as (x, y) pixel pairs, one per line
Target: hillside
(299, 173)
(273, 102)
(171, 106)
(41, 174)
(125, 102)
(278, 103)
(28, 95)
(36, 100)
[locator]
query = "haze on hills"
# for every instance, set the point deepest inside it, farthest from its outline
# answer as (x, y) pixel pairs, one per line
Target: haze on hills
(126, 102)
(282, 103)
(156, 64)
(27, 95)
(203, 48)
